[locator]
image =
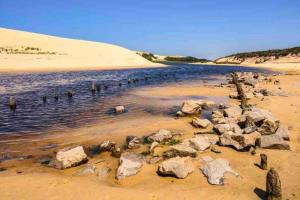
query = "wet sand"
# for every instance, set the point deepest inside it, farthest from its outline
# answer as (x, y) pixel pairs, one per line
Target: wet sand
(33, 181)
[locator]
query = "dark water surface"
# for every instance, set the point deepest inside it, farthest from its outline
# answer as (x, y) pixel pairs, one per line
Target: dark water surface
(34, 115)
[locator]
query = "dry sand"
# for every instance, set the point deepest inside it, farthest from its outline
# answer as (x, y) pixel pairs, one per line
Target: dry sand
(38, 182)
(62, 54)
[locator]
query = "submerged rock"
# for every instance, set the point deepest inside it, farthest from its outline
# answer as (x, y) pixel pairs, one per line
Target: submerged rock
(70, 157)
(178, 167)
(130, 164)
(214, 170)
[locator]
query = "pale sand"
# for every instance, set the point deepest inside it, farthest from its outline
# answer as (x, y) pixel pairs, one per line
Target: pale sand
(38, 182)
(70, 54)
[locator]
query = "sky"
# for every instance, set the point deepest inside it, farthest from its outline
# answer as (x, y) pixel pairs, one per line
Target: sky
(201, 28)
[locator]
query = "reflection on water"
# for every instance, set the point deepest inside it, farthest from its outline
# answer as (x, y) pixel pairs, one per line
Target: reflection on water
(34, 115)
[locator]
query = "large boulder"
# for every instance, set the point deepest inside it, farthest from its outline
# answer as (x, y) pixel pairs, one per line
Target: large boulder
(204, 141)
(178, 167)
(214, 170)
(161, 136)
(70, 157)
(191, 107)
(273, 142)
(200, 123)
(130, 164)
(239, 141)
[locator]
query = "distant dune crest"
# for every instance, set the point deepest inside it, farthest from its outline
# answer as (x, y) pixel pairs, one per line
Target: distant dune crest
(24, 51)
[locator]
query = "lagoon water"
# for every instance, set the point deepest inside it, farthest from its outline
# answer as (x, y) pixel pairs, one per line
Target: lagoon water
(34, 116)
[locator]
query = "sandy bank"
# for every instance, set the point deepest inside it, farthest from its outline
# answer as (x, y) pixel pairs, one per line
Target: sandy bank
(30, 52)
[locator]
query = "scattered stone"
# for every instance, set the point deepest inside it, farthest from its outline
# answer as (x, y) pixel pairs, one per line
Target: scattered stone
(273, 185)
(86, 170)
(119, 109)
(178, 167)
(191, 107)
(161, 136)
(103, 172)
(214, 170)
(273, 142)
(200, 123)
(154, 160)
(222, 128)
(283, 132)
(184, 150)
(130, 164)
(203, 142)
(153, 146)
(263, 161)
(107, 146)
(252, 151)
(215, 149)
(70, 157)
(234, 111)
(133, 142)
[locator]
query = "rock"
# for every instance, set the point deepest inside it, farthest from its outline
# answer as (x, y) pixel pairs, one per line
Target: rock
(239, 141)
(283, 132)
(269, 126)
(233, 95)
(130, 164)
(207, 104)
(153, 146)
(273, 185)
(178, 167)
(191, 107)
(154, 160)
(103, 172)
(86, 170)
(249, 129)
(180, 114)
(234, 111)
(217, 114)
(200, 123)
(249, 95)
(184, 150)
(215, 149)
(273, 142)
(107, 146)
(252, 150)
(70, 157)
(133, 142)
(214, 170)
(116, 152)
(263, 161)
(222, 128)
(161, 136)
(119, 109)
(203, 142)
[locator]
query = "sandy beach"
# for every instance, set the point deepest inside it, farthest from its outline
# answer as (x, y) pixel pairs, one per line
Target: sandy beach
(30, 177)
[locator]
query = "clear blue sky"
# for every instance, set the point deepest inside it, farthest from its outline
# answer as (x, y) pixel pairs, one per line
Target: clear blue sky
(202, 28)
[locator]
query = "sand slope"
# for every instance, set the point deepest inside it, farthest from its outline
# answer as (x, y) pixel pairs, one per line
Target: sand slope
(56, 54)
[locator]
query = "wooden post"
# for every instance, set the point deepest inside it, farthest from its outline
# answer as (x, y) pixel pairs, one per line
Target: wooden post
(263, 161)
(93, 87)
(273, 185)
(12, 103)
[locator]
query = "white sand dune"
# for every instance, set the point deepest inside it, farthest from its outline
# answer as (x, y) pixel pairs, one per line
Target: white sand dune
(18, 52)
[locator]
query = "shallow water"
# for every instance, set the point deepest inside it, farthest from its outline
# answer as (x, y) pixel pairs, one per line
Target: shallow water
(33, 115)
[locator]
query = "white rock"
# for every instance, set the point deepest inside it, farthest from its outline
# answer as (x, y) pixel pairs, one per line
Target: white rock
(119, 109)
(130, 164)
(178, 167)
(214, 170)
(70, 157)
(191, 107)
(203, 142)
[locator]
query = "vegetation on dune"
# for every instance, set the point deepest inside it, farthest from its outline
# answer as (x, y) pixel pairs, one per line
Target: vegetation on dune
(25, 50)
(148, 56)
(188, 59)
(275, 52)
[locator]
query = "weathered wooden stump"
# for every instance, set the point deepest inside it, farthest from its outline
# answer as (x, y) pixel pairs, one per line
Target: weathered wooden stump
(93, 87)
(12, 103)
(273, 185)
(70, 94)
(240, 91)
(263, 161)
(44, 99)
